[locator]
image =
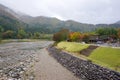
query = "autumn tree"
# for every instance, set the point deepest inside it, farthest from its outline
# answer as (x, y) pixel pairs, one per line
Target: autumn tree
(75, 36)
(118, 33)
(61, 35)
(85, 37)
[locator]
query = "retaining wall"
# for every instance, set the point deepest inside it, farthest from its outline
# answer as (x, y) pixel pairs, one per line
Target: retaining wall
(83, 69)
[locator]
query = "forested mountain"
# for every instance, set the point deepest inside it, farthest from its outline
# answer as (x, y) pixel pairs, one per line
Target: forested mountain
(8, 20)
(11, 20)
(51, 25)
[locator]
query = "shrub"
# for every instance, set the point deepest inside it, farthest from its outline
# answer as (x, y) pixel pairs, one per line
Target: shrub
(61, 35)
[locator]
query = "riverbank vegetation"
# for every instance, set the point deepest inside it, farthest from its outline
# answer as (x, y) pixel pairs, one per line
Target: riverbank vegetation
(22, 34)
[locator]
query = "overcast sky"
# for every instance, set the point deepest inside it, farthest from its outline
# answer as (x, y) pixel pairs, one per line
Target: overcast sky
(85, 11)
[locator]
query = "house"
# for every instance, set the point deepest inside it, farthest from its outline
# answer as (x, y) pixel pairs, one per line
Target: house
(96, 38)
(93, 38)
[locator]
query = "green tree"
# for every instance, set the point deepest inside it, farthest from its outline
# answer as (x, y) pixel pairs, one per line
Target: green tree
(1, 30)
(106, 31)
(8, 34)
(36, 35)
(21, 34)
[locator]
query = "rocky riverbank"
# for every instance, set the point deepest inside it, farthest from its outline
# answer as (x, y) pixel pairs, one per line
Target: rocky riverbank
(17, 59)
(81, 68)
(19, 71)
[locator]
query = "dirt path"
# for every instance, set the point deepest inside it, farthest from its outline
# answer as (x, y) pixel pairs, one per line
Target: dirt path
(49, 69)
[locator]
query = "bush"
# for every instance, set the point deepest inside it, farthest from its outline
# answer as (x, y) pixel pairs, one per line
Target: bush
(61, 35)
(8, 34)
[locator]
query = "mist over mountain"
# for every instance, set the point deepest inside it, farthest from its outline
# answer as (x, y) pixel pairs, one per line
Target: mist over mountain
(118, 22)
(10, 19)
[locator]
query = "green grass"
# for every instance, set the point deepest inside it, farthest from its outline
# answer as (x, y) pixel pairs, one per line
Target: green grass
(103, 56)
(106, 56)
(72, 46)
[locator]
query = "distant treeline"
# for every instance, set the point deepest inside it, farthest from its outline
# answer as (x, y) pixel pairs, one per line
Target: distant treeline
(21, 33)
(102, 33)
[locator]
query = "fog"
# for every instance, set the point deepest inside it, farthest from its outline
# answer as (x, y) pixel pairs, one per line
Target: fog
(85, 11)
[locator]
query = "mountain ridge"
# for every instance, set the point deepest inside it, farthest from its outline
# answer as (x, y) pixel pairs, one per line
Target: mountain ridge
(45, 24)
(8, 20)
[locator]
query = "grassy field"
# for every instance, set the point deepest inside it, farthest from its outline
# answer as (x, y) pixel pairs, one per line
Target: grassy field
(104, 56)
(72, 46)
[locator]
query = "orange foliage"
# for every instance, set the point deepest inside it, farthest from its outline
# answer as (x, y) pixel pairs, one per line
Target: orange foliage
(77, 36)
(118, 33)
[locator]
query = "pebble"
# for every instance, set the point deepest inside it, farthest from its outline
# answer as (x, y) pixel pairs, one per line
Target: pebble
(16, 72)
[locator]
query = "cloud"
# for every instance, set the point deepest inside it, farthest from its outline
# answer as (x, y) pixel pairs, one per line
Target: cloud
(86, 11)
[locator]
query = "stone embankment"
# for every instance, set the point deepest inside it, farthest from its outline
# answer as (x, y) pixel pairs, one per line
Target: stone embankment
(81, 68)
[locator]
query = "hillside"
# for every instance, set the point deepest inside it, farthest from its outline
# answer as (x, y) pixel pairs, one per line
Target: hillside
(8, 20)
(12, 20)
(51, 24)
